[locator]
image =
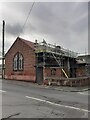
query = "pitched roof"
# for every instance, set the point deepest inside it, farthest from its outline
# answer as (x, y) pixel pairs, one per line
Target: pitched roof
(29, 43)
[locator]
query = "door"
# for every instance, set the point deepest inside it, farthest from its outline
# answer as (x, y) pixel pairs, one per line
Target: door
(39, 75)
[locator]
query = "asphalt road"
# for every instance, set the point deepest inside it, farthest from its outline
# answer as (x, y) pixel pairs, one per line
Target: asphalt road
(33, 101)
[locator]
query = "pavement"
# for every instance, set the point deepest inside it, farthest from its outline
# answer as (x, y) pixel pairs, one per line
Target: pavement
(58, 88)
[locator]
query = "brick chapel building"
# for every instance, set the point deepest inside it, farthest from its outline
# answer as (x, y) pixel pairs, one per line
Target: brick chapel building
(20, 61)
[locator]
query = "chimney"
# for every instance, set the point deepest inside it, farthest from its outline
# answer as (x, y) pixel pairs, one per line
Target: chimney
(35, 44)
(35, 41)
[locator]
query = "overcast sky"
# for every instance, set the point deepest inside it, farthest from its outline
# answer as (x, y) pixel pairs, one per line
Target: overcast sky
(60, 23)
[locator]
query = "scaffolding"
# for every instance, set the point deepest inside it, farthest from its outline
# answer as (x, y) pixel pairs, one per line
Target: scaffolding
(53, 56)
(56, 52)
(49, 48)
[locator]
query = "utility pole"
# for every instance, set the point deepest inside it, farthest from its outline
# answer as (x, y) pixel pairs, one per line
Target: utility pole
(3, 57)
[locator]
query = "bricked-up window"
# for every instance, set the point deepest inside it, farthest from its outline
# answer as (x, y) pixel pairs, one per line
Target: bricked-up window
(18, 62)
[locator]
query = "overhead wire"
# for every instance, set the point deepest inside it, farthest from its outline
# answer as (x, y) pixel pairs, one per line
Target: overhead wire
(27, 17)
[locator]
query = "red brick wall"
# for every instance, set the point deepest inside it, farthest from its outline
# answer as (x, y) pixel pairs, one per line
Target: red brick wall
(29, 61)
(80, 72)
(47, 72)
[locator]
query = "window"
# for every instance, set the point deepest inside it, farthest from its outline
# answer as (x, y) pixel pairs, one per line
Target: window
(18, 62)
(53, 71)
(15, 62)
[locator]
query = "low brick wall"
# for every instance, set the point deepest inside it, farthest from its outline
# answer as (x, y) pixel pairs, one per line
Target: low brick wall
(73, 82)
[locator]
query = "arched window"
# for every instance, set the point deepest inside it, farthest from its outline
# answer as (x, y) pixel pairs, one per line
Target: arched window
(15, 62)
(18, 62)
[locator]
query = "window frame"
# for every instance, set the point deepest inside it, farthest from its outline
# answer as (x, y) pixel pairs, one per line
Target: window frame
(18, 68)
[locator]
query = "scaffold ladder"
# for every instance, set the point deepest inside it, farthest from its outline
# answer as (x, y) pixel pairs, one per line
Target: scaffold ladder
(60, 66)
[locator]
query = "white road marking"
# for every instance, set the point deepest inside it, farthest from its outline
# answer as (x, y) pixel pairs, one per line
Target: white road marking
(2, 91)
(71, 107)
(83, 93)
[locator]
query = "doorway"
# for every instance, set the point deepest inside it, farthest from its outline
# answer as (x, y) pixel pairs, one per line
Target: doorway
(39, 75)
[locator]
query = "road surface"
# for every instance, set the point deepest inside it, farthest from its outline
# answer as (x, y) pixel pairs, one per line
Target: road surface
(29, 100)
